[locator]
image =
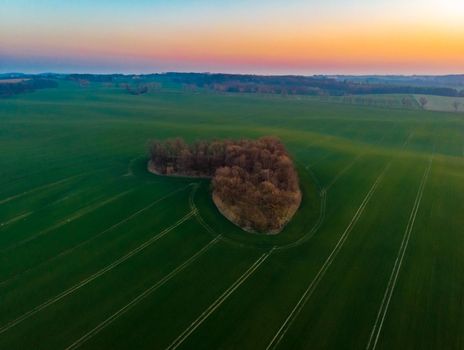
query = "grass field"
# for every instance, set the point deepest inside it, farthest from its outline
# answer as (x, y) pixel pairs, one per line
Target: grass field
(97, 253)
(442, 103)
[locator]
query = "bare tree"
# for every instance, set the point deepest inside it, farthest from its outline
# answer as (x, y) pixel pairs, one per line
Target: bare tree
(423, 102)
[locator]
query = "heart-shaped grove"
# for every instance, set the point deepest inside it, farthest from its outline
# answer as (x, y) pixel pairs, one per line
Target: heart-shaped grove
(255, 184)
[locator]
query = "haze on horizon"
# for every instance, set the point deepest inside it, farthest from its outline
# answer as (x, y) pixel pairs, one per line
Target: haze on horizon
(272, 37)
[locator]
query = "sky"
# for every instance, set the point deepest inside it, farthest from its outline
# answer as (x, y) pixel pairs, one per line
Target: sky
(240, 36)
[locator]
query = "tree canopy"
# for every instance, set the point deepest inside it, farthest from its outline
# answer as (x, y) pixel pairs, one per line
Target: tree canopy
(255, 184)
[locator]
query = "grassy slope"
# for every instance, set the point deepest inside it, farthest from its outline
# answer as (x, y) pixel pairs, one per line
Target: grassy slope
(78, 154)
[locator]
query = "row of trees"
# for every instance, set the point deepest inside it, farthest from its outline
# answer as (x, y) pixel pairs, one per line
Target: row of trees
(254, 182)
(405, 102)
(380, 101)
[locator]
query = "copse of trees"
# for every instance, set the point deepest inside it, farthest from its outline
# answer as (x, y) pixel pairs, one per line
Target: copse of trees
(141, 88)
(254, 182)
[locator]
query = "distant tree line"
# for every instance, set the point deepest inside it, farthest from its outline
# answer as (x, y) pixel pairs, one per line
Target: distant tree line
(317, 85)
(95, 78)
(254, 183)
(25, 85)
(456, 80)
(302, 85)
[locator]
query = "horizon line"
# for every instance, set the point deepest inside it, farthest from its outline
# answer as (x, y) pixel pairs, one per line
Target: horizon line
(243, 73)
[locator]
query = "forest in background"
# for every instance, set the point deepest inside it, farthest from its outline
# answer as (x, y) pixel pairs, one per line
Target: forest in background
(316, 85)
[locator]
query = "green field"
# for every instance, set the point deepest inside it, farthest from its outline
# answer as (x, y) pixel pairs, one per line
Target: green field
(443, 103)
(96, 253)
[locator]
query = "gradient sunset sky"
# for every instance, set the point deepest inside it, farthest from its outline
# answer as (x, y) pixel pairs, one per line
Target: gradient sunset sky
(245, 36)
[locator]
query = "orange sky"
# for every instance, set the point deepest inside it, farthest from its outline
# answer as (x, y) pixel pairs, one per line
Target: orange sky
(389, 37)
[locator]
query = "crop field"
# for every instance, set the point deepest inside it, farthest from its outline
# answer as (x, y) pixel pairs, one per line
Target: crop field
(97, 253)
(442, 103)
